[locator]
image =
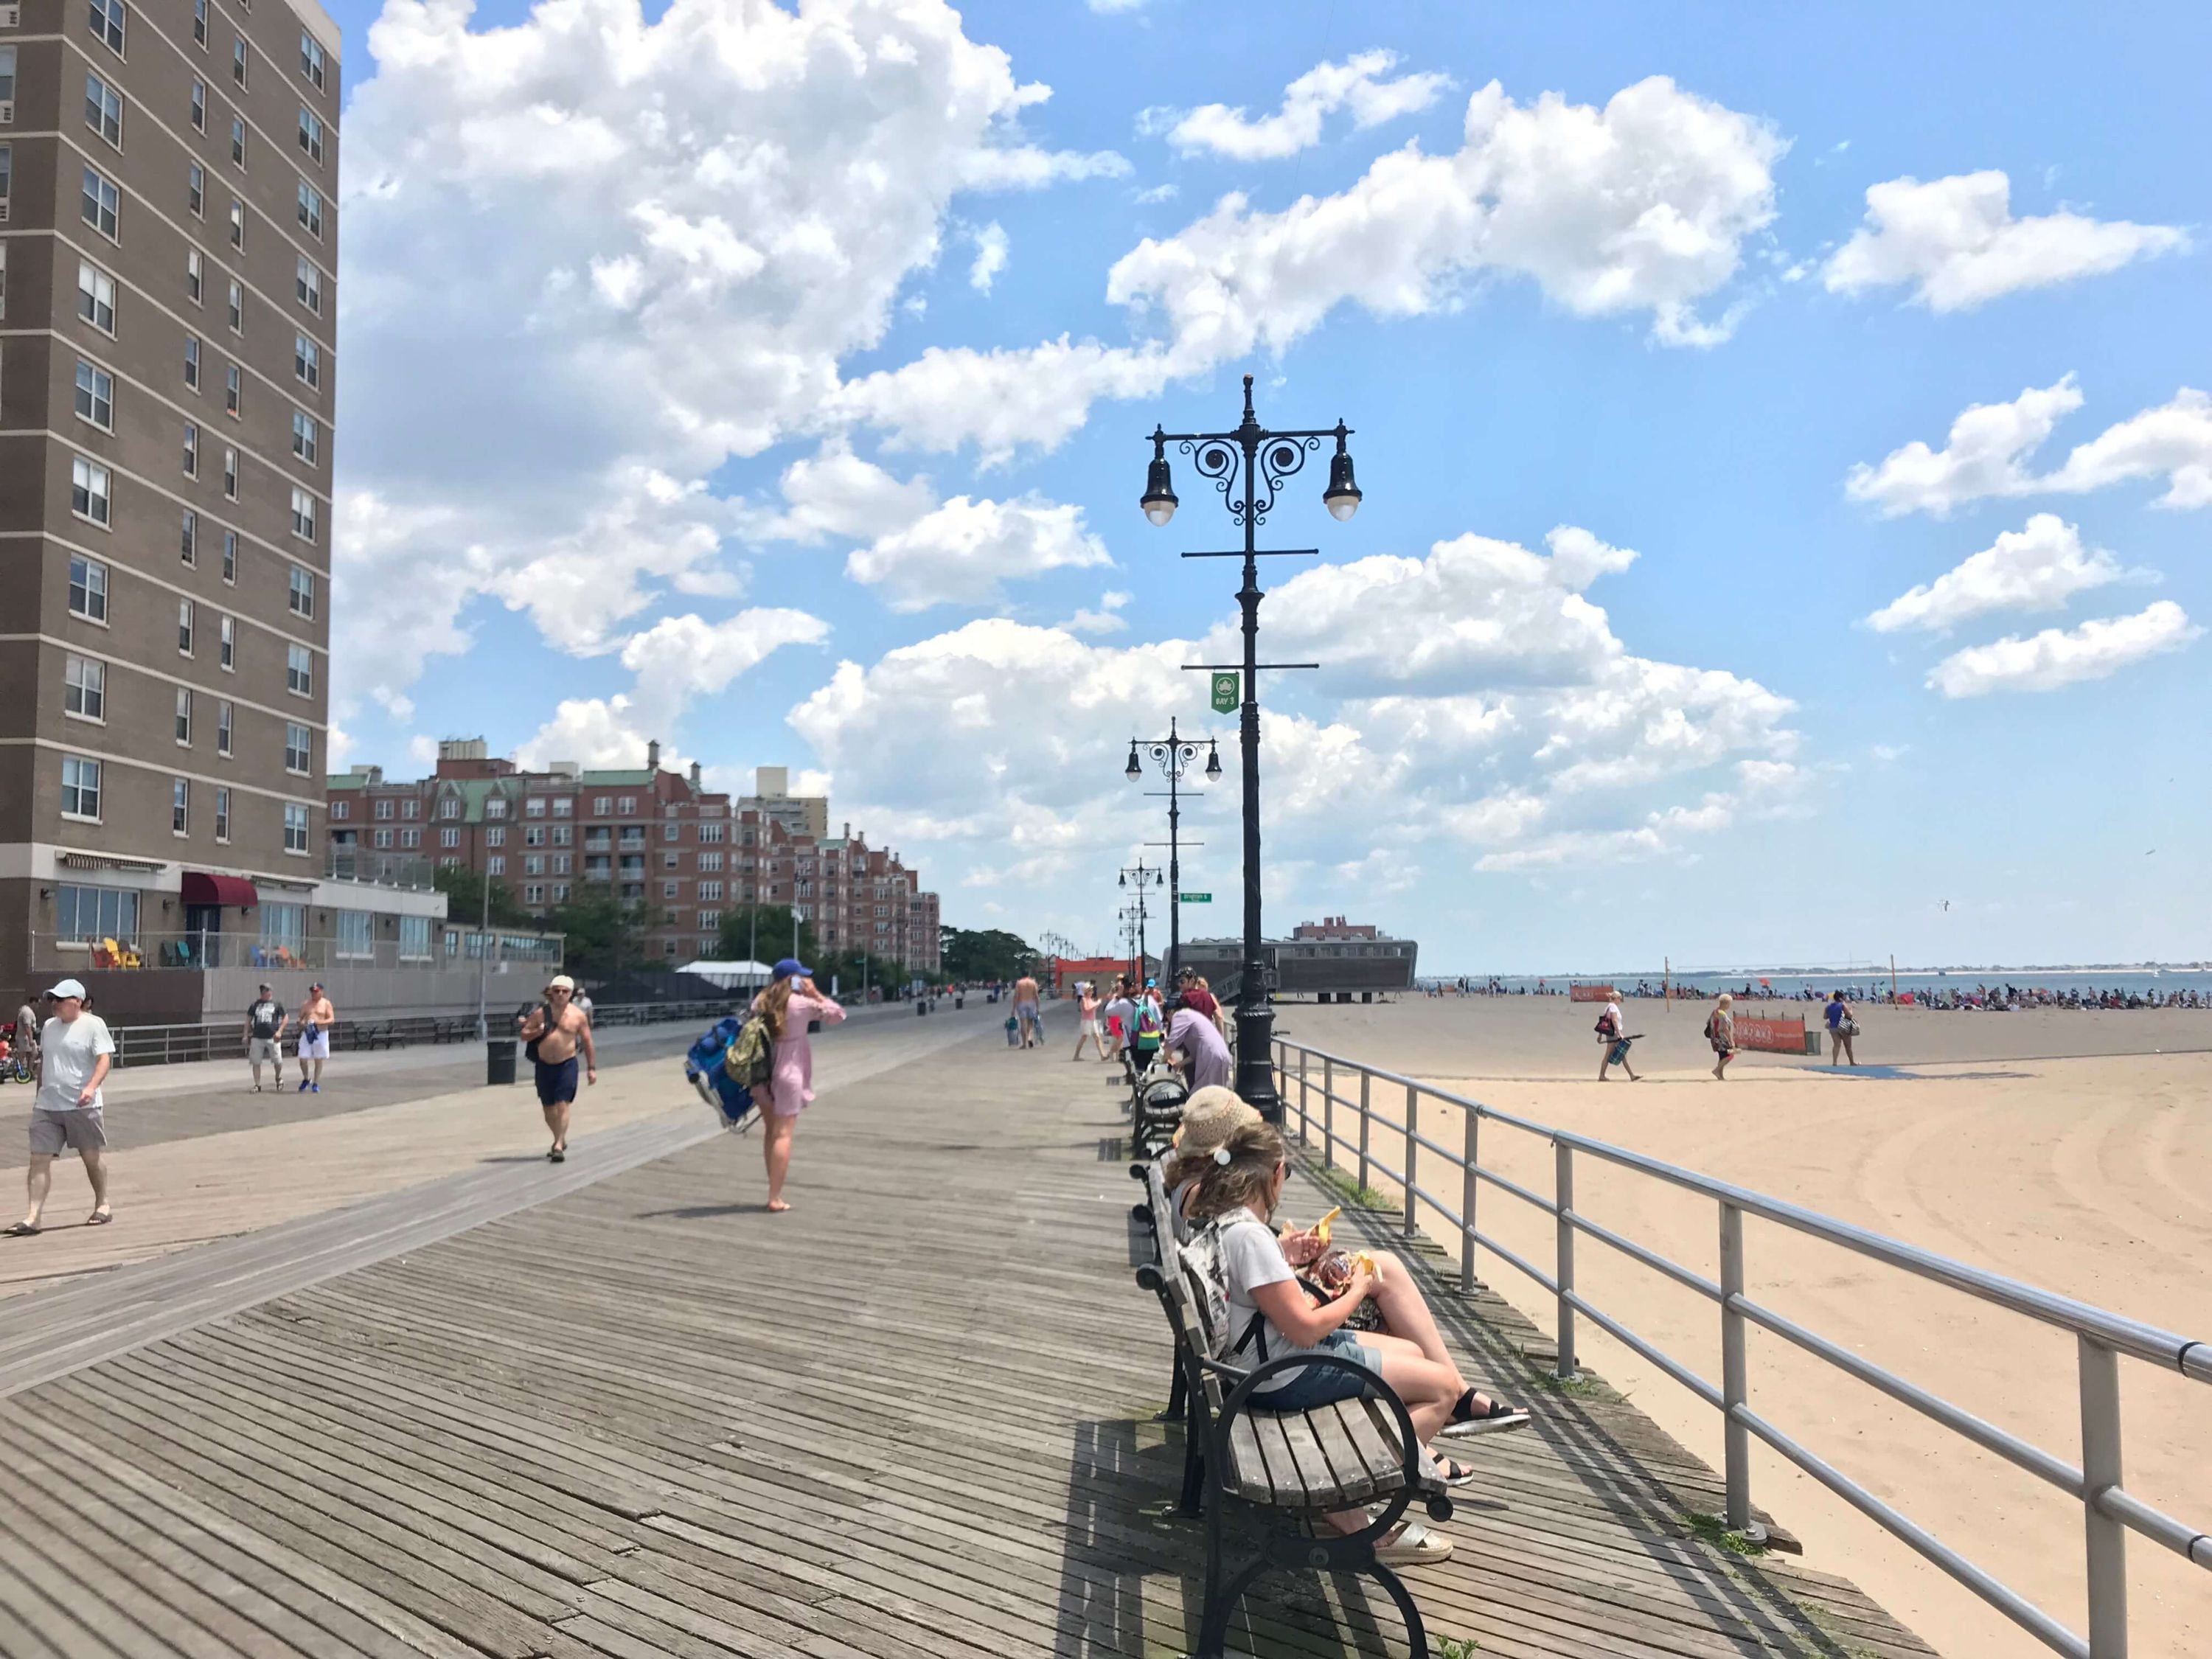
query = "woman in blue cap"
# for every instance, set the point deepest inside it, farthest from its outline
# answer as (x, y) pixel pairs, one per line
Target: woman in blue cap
(789, 1005)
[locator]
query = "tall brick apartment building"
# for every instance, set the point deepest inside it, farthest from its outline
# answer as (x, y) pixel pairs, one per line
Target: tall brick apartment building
(652, 837)
(169, 251)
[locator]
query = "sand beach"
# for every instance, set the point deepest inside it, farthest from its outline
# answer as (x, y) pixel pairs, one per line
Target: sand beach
(2069, 1149)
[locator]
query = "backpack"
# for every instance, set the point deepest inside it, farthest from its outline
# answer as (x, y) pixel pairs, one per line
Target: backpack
(1210, 1286)
(1148, 1021)
(1713, 1026)
(750, 1057)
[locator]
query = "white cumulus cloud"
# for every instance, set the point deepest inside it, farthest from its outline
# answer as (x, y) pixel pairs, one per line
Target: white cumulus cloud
(2038, 567)
(990, 260)
(2059, 657)
(1956, 240)
(961, 551)
(1361, 84)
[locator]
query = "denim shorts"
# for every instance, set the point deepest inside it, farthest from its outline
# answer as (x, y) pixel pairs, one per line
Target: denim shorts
(1320, 1385)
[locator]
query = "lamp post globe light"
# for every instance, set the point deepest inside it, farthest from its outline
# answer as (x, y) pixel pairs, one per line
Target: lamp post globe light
(1175, 754)
(1248, 466)
(1147, 875)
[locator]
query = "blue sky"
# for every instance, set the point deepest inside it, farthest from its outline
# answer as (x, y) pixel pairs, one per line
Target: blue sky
(680, 398)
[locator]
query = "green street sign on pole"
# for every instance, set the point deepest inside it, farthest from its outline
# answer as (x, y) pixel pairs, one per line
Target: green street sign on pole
(1226, 689)
(1195, 898)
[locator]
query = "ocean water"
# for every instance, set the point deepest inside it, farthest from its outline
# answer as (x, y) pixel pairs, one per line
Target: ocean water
(1863, 982)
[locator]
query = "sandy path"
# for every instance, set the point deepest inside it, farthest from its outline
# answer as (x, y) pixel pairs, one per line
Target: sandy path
(2090, 1177)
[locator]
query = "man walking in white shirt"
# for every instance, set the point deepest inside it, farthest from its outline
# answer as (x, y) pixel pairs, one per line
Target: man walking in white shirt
(75, 1053)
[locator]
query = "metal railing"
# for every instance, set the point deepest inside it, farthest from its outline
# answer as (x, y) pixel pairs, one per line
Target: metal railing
(2109, 1511)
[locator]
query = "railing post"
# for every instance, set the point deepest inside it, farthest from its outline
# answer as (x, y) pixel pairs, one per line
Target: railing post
(1413, 1161)
(1327, 1113)
(1563, 1195)
(2107, 1538)
(1736, 1438)
(1365, 1078)
(1301, 1094)
(1467, 1190)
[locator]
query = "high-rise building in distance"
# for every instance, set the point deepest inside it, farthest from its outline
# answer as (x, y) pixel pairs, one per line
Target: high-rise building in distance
(168, 257)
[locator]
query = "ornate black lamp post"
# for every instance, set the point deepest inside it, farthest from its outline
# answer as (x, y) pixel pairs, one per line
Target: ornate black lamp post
(1174, 755)
(1248, 466)
(1147, 875)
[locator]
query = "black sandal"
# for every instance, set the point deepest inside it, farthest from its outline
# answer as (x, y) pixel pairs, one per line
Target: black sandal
(21, 1230)
(1466, 1420)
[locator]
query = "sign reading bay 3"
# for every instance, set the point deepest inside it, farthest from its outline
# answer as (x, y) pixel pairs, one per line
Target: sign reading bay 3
(1195, 898)
(1225, 689)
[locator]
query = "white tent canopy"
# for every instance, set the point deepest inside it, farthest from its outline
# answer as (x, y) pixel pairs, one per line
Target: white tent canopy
(729, 974)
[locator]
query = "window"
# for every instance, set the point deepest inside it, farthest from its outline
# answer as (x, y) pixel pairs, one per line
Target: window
(95, 297)
(710, 919)
(237, 223)
(384, 809)
(91, 913)
(410, 837)
(533, 894)
(561, 892)
(709, 834)
(180, 807)
(341, 809)
(307, 360)
(80, 787)
(668, 889)
(602, 806)
(412, 809)
(230, 389)
(561, 866)
(311, 208)
(671, 832)
(192, 283)
(299, 670)
(84, 681)
(295, 827)
(230, 473)
(303, 515)
(311, 60)
(449, 838)
(534, 865)
(534, 808)
(495, 807)
(710, 889)
(224, 719)
(299, 747)
(199, 105)
(627, 805)
(310, 135)
(230, 556)
(496, 865)
(7, 155)
(223, 815)
(237, 309)
(563, 835)
(185, 627)
(88, 589)
(303, 436)
(710, 861)
(7, 75)
(303, 592)
(238, 141)
(383, 838)
(307, 285)
(191, 450)
(191, 362)
(284, 925)
(238, 60)
(107, 20)
(496, 837)
(449, 809)
(227, 643)
(564, 807)
(189, 543)
(99, 203)
(184, 717)
(95, 395)
(103, 110)
(89, 484)
(199, 22)
(414, 939)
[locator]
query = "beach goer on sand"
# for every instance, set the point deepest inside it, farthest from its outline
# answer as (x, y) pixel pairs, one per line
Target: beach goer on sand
(1720, 1031)
(789, 1004)
(1025, 1009)
(1086, 1006)
(264, 1035)
(1842, 1028)
(555, 1031)
(1614, 1034)
(76, 1052)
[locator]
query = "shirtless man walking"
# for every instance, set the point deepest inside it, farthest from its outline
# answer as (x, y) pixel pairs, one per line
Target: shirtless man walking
(1025, 1010)
(560, 1030)
(316, 1019)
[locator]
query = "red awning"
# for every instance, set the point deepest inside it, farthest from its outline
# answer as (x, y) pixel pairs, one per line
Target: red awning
(201, 888)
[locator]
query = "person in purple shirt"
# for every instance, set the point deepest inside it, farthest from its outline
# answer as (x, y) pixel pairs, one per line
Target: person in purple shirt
(1204, 1053)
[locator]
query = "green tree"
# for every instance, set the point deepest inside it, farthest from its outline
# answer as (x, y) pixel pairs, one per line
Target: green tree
(464, 898)
(991, 953)
(767, 931)
(602, 935)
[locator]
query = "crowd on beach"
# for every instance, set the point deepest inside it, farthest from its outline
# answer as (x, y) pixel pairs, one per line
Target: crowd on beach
(1982, 998)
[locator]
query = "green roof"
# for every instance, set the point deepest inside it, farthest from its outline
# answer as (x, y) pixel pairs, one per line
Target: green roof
(346, 781)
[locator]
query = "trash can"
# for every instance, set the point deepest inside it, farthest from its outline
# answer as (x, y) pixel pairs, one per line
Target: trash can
(959, 1003)
(921, 1005)
(499, 1060)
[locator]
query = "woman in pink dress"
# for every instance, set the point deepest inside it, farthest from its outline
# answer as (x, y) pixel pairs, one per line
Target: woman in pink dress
(789, 1005)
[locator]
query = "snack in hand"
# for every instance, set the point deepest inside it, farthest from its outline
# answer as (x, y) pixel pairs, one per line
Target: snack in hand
(1320, 1228)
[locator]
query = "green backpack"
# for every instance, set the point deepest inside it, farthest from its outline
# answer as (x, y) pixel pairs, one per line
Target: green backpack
(749, 1060)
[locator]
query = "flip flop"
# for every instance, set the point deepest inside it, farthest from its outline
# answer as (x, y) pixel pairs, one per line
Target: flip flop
(100, 1218)
(1412, 1545)
(21, 1230)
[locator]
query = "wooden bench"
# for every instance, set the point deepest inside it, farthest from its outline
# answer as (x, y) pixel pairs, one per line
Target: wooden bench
(451, 1029)
(1282, 1470)
(1156, 1103)
(369, 1034)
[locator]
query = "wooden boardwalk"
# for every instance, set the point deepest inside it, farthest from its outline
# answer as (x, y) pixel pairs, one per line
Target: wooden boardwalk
(913, 1417)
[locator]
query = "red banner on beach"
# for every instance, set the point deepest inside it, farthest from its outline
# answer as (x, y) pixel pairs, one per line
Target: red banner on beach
(1773, 1037)
(1590, 993)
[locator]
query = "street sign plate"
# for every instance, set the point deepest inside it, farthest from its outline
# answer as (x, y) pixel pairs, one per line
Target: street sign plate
(1226, 689)
(1195, 898)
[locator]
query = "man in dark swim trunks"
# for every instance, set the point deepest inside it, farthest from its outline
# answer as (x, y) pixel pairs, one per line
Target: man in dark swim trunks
(561, 1030)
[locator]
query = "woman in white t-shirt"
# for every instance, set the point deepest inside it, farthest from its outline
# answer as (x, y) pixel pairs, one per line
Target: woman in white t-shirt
(1239, 1193)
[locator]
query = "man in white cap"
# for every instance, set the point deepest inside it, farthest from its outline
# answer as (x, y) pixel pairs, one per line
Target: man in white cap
(554, 1032)
(75, 1053)
(316, 1019)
